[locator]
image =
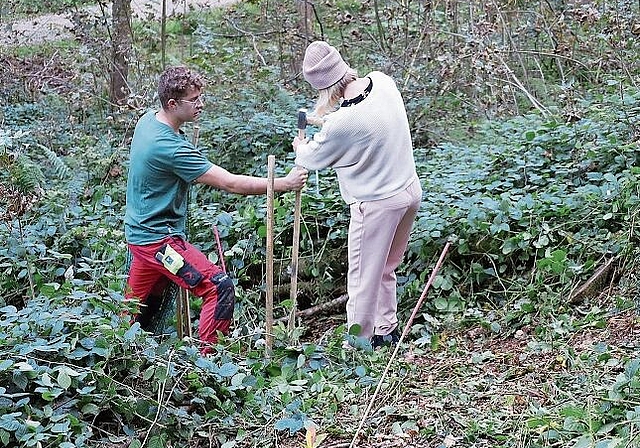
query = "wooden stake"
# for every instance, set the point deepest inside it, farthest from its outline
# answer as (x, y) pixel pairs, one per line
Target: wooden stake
(183, 307)
(269, 305)
(293, 294)
(182, 313)
(220, 251)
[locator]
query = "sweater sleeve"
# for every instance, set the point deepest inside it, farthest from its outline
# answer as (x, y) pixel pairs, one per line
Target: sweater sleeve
(326, 148)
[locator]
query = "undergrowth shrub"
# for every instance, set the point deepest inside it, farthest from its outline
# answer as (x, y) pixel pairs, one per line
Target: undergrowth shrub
(69, 358)
(543, 205)
(533, 205)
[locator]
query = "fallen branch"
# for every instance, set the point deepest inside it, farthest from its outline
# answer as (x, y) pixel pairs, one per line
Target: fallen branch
(318, 308)
(594, 283)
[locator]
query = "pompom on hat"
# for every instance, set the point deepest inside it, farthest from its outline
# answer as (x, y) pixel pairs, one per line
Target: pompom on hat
(323, 66)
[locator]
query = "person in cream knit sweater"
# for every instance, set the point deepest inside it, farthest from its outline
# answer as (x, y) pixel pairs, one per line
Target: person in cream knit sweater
(365, 138)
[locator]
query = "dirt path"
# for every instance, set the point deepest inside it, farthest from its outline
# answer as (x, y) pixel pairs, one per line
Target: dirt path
(51, 27)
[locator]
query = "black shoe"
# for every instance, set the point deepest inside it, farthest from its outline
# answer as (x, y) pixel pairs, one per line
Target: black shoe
(388, 340)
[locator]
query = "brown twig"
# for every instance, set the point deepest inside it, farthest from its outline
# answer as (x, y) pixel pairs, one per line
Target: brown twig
(253, 40)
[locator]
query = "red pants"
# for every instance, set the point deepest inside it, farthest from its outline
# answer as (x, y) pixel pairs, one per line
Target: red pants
(148, 277)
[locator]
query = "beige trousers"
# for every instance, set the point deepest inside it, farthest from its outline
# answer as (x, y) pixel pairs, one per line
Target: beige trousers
(378, 237)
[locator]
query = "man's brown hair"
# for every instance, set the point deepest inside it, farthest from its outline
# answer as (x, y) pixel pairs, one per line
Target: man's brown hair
(176, 82)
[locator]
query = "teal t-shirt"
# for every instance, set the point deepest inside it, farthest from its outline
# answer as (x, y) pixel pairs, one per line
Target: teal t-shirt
(162, 166)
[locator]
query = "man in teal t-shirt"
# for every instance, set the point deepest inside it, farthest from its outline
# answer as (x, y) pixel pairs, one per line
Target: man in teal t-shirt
(163, 163)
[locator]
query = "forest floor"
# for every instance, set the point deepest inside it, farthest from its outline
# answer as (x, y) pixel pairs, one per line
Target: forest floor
(51, 27)
(487, 381)
(475, 388)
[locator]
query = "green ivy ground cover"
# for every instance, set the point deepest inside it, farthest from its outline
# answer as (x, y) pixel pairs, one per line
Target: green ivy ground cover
(501, 355)
(524, 213)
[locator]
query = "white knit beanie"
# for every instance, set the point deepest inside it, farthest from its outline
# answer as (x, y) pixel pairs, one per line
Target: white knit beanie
(323, 66)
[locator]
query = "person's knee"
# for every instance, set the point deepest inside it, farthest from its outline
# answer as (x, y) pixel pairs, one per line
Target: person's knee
(226, 296)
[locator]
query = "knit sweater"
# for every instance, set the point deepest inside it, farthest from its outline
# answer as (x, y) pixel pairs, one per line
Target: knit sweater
(368, 144)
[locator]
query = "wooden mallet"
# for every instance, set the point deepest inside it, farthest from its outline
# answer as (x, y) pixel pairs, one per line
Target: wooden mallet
(293, 296)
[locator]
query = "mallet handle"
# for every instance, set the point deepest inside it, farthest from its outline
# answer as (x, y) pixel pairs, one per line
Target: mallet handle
(293, 295)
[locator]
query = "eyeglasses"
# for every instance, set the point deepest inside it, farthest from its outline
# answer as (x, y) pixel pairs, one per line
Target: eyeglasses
(199, 99)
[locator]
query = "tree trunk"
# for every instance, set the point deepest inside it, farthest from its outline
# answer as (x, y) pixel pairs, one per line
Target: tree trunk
(305, 19)
(121, 47)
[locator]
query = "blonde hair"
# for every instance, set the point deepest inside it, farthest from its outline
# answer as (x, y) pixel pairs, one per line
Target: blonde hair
(329, 98)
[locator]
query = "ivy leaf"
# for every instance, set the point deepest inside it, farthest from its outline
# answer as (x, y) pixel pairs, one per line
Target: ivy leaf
(206, 364)
(5, 364)
(25, 366)
(46, 380)
(237, 379)
(60, 428)
(441, 303)
(9, 423)
(4, 437)
(583, 442)
(64, 380)
(292, 424)
(131, 332)
(631, 369)
(86, 390)
(90, 409)
(148, 373)
(228, 370)
(608, 443)
(225, 219)
(9, 310)
(20, 379)
(49, 394)
(157, 442)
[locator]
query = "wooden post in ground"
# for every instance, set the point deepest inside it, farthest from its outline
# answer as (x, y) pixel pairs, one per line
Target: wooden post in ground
(183, 314)
(269, 301)
(183, 307)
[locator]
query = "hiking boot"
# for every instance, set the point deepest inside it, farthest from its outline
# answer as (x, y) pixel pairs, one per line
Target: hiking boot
(388, 340)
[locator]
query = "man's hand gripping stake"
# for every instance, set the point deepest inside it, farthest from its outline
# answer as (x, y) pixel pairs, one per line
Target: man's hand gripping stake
(302, 125)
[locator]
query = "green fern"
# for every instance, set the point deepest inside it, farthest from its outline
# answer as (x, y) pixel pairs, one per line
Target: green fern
(60, 168)
(76, 188)
(25, 175)
(7, 156)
